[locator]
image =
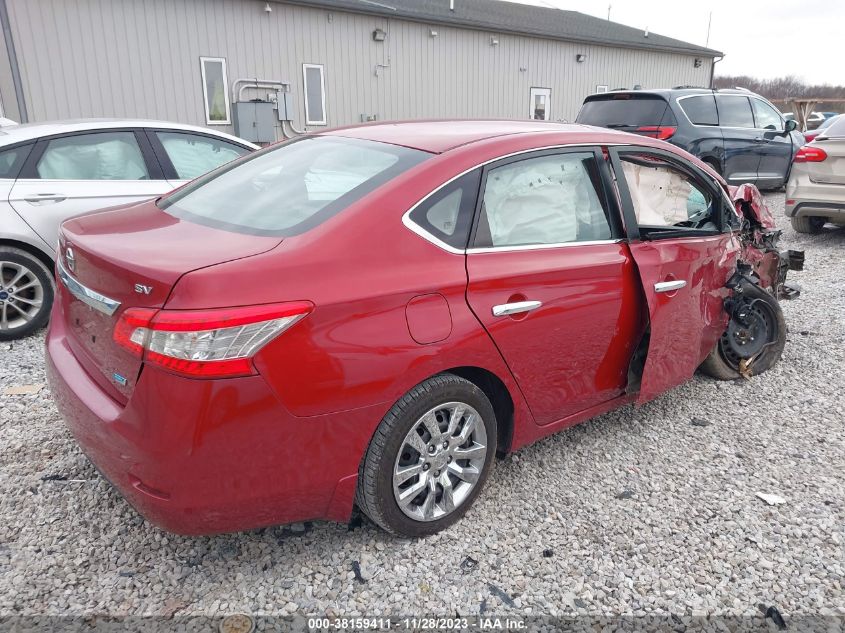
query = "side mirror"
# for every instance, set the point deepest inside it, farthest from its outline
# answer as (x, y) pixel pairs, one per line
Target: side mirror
(790, 125)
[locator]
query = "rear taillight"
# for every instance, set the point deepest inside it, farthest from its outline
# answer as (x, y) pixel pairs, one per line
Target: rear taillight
(205, 343)
(810, 154)
(662, 132)
(810, 136)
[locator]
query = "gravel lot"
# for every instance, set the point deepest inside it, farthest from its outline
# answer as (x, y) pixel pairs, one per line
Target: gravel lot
(638, 511)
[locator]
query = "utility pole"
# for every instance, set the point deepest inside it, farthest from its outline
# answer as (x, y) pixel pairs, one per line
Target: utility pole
(608, 12)
(709, 22)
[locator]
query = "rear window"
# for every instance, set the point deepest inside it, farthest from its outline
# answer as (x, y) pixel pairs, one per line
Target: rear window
(292, 187)
(700, 110)
(835, 129)
(626, 110)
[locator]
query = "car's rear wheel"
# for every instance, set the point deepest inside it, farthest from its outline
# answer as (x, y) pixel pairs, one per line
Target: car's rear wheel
(808, 224)
(429, 457)
(26, 294)
(754, 340)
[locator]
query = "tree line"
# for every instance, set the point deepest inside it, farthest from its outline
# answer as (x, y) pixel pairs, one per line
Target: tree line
(781, 88)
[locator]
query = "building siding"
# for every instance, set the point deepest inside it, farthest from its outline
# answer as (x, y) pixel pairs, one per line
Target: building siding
(140, 58)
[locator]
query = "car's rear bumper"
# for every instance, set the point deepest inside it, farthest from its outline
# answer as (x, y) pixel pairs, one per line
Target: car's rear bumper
(208, 456)
(807, 198)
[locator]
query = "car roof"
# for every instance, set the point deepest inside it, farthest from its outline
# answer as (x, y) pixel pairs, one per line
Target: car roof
(28, 131)
(438, 136)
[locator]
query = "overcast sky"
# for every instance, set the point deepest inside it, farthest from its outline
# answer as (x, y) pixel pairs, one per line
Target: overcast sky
(759, 38)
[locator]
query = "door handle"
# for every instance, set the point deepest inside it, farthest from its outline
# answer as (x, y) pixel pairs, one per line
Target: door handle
(517, 307)
(38, 198)
(669, 286)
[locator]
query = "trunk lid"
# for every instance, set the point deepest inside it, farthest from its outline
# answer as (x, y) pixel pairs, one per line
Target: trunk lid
(131, 257)
(830, 171)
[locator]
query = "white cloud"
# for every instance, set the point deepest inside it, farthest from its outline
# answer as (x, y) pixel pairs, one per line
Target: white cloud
(759, 38)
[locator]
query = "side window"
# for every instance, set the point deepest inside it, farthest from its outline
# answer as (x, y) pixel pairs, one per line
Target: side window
(447, 214)
(193, 155)
(544, 200)
(215, 90)
(665, 196)
(734, 111)
(315, 94)
(11, 160)
(700, 110)
(97, 156)
(766, 116)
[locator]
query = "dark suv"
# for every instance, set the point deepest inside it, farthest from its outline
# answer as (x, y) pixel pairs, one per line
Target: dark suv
(740, 134)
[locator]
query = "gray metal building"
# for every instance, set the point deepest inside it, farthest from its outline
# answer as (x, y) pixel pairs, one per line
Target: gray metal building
(337, 61)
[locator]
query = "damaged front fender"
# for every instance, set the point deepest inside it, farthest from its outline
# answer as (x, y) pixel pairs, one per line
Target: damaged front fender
(759, 238)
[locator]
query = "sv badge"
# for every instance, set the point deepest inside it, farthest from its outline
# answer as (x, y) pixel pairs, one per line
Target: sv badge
(142, 289)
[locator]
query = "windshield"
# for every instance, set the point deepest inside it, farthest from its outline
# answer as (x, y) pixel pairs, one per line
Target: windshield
(626, 110)
(290, 188)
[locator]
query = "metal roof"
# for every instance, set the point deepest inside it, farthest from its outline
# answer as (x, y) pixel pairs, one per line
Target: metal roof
(510, 17)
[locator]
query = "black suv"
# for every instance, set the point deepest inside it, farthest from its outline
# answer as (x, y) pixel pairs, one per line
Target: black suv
(738, 133)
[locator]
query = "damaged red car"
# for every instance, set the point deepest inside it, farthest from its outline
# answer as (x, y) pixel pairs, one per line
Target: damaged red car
(369, 315)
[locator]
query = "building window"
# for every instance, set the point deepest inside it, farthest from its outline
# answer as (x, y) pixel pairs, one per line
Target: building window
(315, 94)
(601, 88)
(215, 91)
(541, 104)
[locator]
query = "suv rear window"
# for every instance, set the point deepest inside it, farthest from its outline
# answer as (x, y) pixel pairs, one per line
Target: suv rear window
(626, 110)
(290, 188)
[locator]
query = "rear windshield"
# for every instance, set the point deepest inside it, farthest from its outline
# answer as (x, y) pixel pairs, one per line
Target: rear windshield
(835, 129)
(626, 110)
(290, 188)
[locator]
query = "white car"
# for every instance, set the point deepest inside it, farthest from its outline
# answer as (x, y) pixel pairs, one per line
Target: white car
(50, 172)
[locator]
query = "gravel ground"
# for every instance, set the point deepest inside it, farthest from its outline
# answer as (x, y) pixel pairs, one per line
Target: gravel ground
(638, 511)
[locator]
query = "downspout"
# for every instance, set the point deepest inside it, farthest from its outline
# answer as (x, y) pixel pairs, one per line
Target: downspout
(713, 69)
(13, 62)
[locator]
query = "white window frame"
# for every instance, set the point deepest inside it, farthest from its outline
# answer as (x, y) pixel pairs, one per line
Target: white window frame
(601, 88)
(208, 120)
(308, 119)
(536, 91)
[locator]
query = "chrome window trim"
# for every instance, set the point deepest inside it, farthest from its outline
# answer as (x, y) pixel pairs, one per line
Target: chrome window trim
(416, 228)
(536, 247)
(730, 127)
(87, 296)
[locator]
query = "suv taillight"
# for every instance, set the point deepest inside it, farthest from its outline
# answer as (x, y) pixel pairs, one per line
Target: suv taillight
(205, 343)
(810, 154)
(662, 132)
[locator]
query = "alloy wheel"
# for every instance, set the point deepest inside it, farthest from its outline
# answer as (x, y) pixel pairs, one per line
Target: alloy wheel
(21, 295)
(440, 461)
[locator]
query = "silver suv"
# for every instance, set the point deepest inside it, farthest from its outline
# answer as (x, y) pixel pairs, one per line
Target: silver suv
(50, 172)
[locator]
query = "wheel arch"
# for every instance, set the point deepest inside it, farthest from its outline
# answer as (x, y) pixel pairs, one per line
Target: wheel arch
(36, 252)
(497, 392)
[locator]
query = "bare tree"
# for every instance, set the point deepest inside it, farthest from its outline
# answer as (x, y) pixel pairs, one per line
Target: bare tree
(780, 89)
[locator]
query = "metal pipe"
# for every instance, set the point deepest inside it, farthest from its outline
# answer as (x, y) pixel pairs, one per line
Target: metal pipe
(293, 129)
(256, 83)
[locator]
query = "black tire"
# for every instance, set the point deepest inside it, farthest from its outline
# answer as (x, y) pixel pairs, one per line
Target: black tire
(721, 364)
(375, 495)
(38, 319)
(808, 224)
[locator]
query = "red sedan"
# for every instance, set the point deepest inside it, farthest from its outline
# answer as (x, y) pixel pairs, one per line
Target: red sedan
(367, 316)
